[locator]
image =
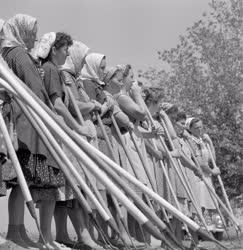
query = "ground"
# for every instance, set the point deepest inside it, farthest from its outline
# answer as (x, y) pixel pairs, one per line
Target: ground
(232, 244)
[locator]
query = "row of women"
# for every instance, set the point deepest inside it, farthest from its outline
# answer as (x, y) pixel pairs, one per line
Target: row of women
(51, 68)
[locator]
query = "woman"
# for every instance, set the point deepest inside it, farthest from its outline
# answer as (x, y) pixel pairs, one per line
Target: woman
(113, 79)
(70, 72)
(198, 142)
(41, 173)
(130, 101)
(3, 150)
(175, 128)
(92, 76)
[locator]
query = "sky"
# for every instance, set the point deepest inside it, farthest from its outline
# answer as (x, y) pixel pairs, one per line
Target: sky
(126, 31)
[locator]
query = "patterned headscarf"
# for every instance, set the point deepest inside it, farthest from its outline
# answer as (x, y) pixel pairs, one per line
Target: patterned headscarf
(110, 73)
(90, 70)
(121, 67)
(77, 53)
(43, 47)
(16, 30)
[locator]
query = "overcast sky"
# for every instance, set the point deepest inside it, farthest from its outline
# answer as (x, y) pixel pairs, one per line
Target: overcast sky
(126, 31)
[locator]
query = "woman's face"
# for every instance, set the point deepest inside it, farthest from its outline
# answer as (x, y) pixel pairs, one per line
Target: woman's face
(102, 69)
(30, 41)
(172, 115)
(116, 81)
(129, 79)
(197, 129)
(61, 54)
(180, 126)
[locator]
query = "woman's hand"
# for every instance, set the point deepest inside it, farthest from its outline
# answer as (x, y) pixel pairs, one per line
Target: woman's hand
(162, 113)
(198, 173)
(97, 106)
(157, 129)
(87, 131)
(175, 153)
(216, 171)
(4, 96)
(130, 127)
(206, 138)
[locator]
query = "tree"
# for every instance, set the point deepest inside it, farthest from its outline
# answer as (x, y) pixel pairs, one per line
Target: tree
(205, 80)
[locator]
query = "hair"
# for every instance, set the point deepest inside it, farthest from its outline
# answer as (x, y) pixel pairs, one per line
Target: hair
(149, 95)
(181, 116)
(126, 70)
(173, 109)
(194, 121)
(61, 40)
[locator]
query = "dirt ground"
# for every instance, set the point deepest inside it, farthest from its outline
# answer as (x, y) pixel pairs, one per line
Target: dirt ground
(233, 243)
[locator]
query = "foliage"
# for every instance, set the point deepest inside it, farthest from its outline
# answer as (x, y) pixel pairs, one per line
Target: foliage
(205, 79)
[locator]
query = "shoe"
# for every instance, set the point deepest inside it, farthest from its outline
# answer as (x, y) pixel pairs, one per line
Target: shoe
(69, 244)
(82, 246)
(2, 240)
(106, 246)
(217, 222)
(58, 246)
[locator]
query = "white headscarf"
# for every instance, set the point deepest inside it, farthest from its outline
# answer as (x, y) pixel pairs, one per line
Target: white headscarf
(77, 53)
(16, 30)
(188, 125)
(1, 24)
(43, 47)
(188, 122)
(90, 70)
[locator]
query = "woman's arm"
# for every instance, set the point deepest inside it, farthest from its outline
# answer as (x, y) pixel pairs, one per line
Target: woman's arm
(152, 151)
(62, 110)
(121, 118)
(208, 140)
(168, 124)
(131, 108)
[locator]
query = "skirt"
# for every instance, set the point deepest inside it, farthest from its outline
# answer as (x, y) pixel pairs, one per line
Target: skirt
(136, 162)
(7, 173)
(37, 173)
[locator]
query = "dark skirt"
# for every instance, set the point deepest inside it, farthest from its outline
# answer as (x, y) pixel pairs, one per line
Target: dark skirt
(37, 173)
(3, 188)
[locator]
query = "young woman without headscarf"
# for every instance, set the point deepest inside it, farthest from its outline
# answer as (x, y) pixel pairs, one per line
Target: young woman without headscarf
(40, 170)
(129, 97)
(112, 79)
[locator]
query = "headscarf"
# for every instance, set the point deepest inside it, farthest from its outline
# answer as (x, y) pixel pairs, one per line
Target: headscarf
(43, 47)
(90, 70)
(16, 30)
(166, 106)
(1, 24)
(110, 73)
(77, 53)
(121, 67)
(188, 122)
